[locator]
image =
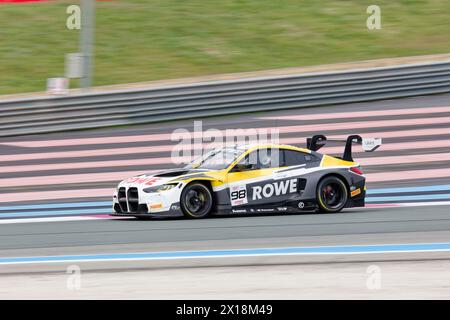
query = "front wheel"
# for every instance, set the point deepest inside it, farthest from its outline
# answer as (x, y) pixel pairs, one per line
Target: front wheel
(332, 194)
(196, 200)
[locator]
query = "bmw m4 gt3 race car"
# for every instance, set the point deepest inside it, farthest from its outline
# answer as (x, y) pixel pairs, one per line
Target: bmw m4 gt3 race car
(250, 179)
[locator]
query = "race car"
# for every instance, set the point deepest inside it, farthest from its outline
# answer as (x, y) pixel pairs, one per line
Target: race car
(250, 179)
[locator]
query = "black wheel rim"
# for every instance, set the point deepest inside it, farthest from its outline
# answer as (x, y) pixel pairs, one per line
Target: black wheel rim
(333, 195)
(196, 201)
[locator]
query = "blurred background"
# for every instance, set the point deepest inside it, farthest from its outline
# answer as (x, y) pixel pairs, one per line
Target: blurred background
(302, 67)
(162, 39)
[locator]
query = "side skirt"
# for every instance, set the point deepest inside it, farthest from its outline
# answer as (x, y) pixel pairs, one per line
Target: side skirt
(291, 207)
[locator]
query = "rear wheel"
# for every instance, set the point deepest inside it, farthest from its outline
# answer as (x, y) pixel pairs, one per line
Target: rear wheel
(196, 200)
(332, 194)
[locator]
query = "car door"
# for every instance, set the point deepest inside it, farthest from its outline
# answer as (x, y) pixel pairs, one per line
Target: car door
(246, 186)
(297, 166)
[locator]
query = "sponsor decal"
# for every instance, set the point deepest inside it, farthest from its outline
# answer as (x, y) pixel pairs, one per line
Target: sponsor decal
(155, 206)
(282, 208)
(355, 192)
(148, 181)
(274, 189)
(265, 210)
(174, 207)
(301, 205)
(238, 195)
(239, 211)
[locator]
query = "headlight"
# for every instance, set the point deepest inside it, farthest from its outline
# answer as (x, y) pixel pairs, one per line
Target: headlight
(163, 187)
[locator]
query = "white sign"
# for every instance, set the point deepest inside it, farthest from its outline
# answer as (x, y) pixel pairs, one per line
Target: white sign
(74, 65)
(57, 85)
(371, 144)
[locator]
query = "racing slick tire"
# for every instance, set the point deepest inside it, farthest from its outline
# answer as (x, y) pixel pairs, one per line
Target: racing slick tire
(196, 200)
(332, 194)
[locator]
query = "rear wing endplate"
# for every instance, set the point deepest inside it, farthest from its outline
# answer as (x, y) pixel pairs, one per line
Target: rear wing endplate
(368, 144)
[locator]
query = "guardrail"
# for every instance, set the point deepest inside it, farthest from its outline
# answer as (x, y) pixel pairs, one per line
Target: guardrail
(95, 110)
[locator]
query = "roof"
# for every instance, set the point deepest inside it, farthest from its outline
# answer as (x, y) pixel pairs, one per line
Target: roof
(245, 147)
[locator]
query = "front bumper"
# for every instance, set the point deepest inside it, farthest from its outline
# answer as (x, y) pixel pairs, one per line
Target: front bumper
(132, 201)
(167, 214)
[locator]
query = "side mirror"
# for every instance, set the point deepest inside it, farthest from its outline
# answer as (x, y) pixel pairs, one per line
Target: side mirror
(243, 167)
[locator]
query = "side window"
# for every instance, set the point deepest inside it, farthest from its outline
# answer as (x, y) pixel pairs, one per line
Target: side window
(270, 158)
(247, 163)
(263, 159)
(295, 158)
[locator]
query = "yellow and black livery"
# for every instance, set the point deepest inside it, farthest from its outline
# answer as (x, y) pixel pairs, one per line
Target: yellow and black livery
(266, 178)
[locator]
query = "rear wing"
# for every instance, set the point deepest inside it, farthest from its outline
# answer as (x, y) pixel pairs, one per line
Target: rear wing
(368, 144)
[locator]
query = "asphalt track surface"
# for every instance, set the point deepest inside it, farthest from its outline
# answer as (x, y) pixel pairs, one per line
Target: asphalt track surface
(377, 225)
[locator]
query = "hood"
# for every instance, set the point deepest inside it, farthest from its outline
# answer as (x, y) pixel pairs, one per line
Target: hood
(159, 178)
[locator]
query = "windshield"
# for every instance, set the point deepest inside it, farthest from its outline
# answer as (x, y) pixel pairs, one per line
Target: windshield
(215, 159)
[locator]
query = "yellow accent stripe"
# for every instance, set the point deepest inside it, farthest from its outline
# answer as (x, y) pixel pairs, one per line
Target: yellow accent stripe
(328, 161)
